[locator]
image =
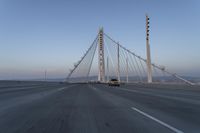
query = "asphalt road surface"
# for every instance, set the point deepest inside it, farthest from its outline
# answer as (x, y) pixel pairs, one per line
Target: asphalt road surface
(98, 108)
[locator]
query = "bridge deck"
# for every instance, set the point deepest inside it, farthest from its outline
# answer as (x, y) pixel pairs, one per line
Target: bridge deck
(97, 108)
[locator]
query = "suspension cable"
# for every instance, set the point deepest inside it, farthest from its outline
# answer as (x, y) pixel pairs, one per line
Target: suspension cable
(173, 74)
(81, 59)
(92, 58)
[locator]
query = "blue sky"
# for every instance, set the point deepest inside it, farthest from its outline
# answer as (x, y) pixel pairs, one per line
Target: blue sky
(53, 34)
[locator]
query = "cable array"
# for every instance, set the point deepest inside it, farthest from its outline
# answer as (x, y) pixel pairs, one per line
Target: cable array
(130, 66)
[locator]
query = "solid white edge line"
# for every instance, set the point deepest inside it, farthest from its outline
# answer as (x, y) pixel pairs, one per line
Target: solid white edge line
(158, 121)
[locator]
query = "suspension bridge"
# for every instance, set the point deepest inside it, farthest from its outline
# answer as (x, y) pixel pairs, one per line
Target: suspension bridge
(76, 106)
(107, 58)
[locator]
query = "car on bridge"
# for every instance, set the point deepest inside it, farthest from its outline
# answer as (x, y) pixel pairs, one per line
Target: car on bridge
(114, 82)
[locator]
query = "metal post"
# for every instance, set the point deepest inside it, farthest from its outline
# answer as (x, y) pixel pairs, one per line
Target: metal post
(107, 69)
(101, 76)
(149, 70)
(45, 75)
(127, 70)
(118, 63)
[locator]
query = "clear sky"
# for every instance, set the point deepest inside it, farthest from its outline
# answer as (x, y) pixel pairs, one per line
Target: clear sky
(53, 34)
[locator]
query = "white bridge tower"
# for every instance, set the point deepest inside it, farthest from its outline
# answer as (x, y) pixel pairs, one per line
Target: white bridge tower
(101, 76)
(149, 69)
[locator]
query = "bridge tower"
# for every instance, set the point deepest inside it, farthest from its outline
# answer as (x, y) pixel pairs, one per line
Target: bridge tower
(149, 69)
(101, 76)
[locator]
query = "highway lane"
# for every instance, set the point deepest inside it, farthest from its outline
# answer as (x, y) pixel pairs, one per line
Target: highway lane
(96, 108)
(183, 114)
(184, 91)
(15, 84)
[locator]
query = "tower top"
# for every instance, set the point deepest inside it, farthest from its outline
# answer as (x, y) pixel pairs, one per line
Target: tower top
(101, 29)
